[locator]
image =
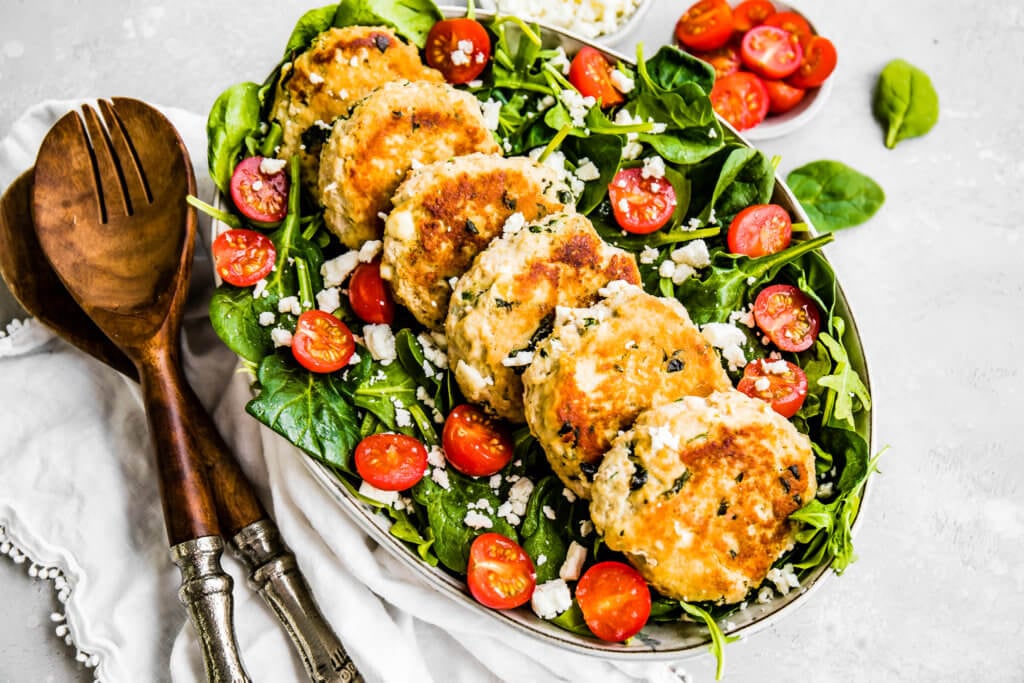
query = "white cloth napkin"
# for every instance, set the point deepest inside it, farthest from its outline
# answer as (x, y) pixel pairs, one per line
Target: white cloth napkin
(78, 496)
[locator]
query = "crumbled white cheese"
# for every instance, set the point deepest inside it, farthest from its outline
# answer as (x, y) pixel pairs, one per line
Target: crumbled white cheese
(682, 273)
(435, 457)
(569, 495)
(369, 250)
(729, 339)
(403, 418)
(469, 377)
(374, 493)
(560, 60)
(623, 83)
(289, 304)
(270, 166)
(578, 106)
(662, 437)
(590, 18)
(654, 167)
(649, 255)
(572, 567)
(667, 269)
(514, 508)
(495, 481)
(616, 286)
(431, 351)
(586, 528)
(329, 299)
(776, 367)
(337, 269)
(744, 316)
(477, 520)
(513, 224)
(267, 318)
(762, 384)
(259, 290)
(281, 337)
(548, 511)
(491, 110)
(520, 360)
(765, 595)
(380, 341)
(784, 578)
(315, 78)
(587, 170)
(550, 599)
(460, 57)
(694, 254)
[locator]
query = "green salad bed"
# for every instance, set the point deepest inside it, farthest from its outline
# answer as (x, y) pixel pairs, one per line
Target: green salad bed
(715, 175)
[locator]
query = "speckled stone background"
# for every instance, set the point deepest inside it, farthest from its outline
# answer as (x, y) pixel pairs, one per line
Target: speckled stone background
(936, 280)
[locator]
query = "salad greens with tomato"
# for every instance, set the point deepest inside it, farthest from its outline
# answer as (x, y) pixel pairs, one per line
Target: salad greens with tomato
(381, 423)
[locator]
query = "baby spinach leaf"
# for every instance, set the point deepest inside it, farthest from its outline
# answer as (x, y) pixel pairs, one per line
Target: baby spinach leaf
(308, 409)
(572, 620)
(383, 390)
(544, 536)
(905, 102)
(834, 195)
(235, 318)
(405, 530)
(411, 19)
(747, 177)
(235, 116)
(605, 151)
(309, 26)
(670, 68)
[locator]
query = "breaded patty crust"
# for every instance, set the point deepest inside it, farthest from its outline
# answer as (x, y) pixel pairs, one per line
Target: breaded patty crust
(446, 212)
(604, 365)
(697, 494)
(341, 67)
(505, 303)
(396, 127)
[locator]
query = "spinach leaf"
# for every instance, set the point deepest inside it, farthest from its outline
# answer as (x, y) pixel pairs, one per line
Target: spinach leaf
(308, 409)
(235, 116)
(572, 620)
(446, 511)
(834, 195)
(747, 177)
(383, 390)
(309, 26)
(605, 151)
(234, 315)
(544, 536)
(411, 19)
(905, 102)
(670, 68)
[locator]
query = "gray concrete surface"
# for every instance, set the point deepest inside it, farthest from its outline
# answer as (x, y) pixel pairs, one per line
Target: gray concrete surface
(936, 280)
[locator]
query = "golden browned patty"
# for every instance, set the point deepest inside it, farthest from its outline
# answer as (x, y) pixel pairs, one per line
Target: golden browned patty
(397, 126)
(445, 213)
(502, 305)
(602, 366)
(341, 67)
(698, 492)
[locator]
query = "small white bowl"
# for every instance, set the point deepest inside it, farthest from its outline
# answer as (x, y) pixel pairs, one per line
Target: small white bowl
(629, 24)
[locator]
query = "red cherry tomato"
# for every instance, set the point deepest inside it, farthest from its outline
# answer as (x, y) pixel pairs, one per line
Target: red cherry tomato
(725, 60)
(370, 296)
(475, 443)
(260, 197)
(760, 230)
(706, 25)
(591, 74)
(741, 99)
(243, 257)
(614, 599)
(819, 63)
(751, 13)
(500, 574)
(459, 48)
(321, 342)
(789, 318)
(391, 462)
(792, 22)
(641, 205)
(771, 52)
(782, 97)
(780, 383)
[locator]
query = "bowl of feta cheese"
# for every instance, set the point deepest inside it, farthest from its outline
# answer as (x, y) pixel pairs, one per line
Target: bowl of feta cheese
(608, 21)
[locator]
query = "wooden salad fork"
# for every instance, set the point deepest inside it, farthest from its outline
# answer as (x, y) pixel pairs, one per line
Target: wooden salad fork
(272, 568)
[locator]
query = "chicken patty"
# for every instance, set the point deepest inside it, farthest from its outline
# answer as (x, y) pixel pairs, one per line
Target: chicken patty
(341, 67)
(400, 125)
(604, 365)
(505, 303)
(445, 213)
(698, 494)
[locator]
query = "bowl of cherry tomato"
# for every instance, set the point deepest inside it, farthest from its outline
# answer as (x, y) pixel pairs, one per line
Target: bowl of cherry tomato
(772, 67)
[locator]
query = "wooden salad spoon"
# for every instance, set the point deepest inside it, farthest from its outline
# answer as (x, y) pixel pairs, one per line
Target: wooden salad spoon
(272, 568)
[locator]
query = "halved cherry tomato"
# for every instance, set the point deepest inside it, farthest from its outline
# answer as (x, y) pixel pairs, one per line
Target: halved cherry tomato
(782, 97)
(614, 599)
(459, 48)
(771, 52)
(741, 99)
(792, 22)
(321, 342)
(260, 197)
(500, 574)
(788, 316)
(759, 230)
(475, 443)
(591, 74)
(725, 60)
(641, 205)
(370, 296)
(391, 462)
(751, 13)
(785, 389)
(819, 63)
(243, 257)
(706, 25)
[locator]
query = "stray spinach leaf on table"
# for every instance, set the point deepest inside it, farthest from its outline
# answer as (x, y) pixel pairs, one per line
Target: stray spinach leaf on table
(905, 102)
(834, 195)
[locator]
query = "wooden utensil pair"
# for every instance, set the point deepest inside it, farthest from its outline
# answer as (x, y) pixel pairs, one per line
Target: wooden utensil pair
(109, 272)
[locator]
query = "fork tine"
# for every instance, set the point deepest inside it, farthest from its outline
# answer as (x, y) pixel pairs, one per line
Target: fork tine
(159, 150)
(74, 165)
(113, 199)
(135, 182)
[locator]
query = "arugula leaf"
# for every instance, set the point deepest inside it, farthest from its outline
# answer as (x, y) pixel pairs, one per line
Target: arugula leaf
(308, 409)
(411, 19)
(718, 639)
(834, 195)
(844, 381)
(235, 116)
(404, 530)
(905, 102)
(541, 535)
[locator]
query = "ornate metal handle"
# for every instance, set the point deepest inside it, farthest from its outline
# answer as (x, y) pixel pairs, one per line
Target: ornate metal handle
(206, 593)
(275, 574)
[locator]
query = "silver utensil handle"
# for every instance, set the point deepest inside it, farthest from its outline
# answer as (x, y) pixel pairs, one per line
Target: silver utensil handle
(206, 593)
(275, 574)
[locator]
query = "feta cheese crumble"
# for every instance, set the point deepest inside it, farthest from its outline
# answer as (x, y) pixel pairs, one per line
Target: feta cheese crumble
(269, 166)
(380, 341)
(730, 340)
(550, 599)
